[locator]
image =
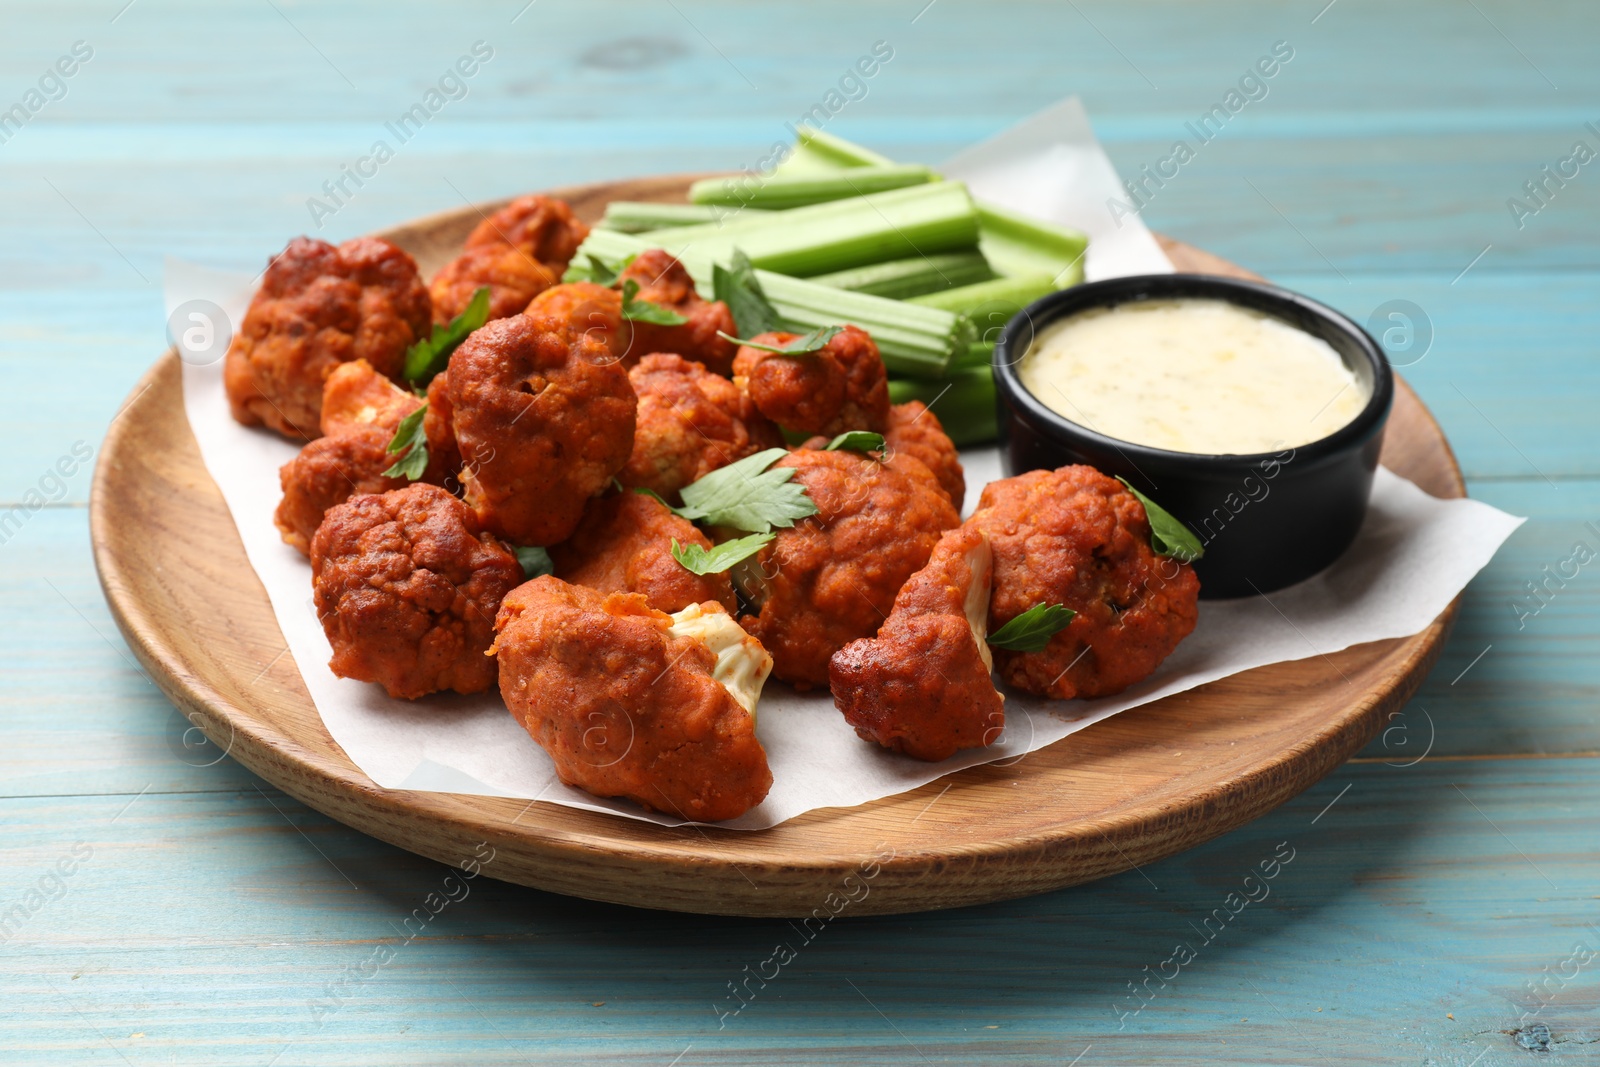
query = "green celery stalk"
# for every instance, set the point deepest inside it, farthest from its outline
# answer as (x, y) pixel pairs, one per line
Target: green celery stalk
(1013, 292)
(964, 403)
(634, 216)
(1013, 243)
(816, 152)
(1018, 245)
(990, 305)
(781, 192)
(899, 279)
(914, 341)
(919, 220)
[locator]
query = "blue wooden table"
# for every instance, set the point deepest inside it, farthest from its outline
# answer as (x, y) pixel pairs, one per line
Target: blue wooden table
(1443, 903)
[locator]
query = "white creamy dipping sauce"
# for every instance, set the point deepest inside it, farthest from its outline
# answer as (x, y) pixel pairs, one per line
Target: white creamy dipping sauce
(1202, 376)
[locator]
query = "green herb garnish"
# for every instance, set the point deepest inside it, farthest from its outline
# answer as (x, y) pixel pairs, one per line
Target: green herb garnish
(535, 561)
(1168, 536)
(426, 358)
(736, 286)
(814, 341)
(600, 271)
(644, 311)
(697, 560)
(856, 441)
(1032, 630)
(410, 439)
(747, 496)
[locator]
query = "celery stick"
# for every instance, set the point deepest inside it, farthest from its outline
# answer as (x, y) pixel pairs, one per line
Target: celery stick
(914, 341)
(816, 153)
(1013, 243)
(1017, 245)
(998, 293)
(902, 278)
(919, 220)
(964, 403)
(782, 192)
(633, 216)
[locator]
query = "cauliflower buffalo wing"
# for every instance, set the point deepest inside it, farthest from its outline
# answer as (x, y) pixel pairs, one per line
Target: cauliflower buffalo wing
(318, 307)
(624, 545)
(922, 685)
(361, 410)
(543, 422)
(632, 702)
(1076, 537)
(690, 423)
(832, 578)
(518, 252)
(843, 386)
(407, 588)
(916, 431)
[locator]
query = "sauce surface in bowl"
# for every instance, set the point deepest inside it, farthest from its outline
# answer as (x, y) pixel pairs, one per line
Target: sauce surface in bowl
(1201, 376)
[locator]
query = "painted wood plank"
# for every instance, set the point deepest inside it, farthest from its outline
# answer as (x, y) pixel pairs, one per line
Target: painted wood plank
(217, 927)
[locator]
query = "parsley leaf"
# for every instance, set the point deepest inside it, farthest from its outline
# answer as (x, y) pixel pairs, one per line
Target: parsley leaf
(697, 560)
(1032, 630)
(535, 561)
(747, 496)
(600, 271)
(856, 441)
(736, 286)
(1168, 536)
(644, 311)
(426, 358)
(409, 438)
(814, 341)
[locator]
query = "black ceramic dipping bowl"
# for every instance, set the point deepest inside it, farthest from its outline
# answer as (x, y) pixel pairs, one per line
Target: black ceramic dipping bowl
(1267, 520)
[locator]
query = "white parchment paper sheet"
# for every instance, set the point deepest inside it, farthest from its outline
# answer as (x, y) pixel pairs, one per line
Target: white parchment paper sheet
(1413, 556)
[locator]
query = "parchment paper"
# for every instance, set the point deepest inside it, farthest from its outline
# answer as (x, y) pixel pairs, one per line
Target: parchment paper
(1414, 554)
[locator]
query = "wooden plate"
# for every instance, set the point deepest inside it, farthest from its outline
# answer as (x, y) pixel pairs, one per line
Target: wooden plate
(1139, 786)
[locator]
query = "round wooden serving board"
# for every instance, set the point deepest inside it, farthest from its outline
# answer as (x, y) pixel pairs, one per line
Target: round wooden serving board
(1139, 786)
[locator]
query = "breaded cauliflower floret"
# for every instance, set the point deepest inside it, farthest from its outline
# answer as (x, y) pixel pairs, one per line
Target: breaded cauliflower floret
(843, 386)
(1074, 536)
(632, 702)
(624, 545)
(916, 431)
(361, 409)
(665, 282)
(922, 686)
(690, 423)
(832, 578)
(582, 309)
(318, 307)
(407, 588)
(518, 252)
(512, 275)
(543, 423)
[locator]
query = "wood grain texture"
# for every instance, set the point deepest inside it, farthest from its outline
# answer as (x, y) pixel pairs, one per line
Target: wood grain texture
(1140, 786)
(213, 915)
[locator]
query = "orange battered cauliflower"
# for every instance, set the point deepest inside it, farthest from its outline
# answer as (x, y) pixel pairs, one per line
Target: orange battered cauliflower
(543, 423)
(1076, 537)
(518, 252)
(843, 386)
(663, 281)
(922, 686)
(320, 306)
(361, 409)
(832, 578)
(690, 423)
(632, 702)
(624, 545)
(916, 431)
(407, 589)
